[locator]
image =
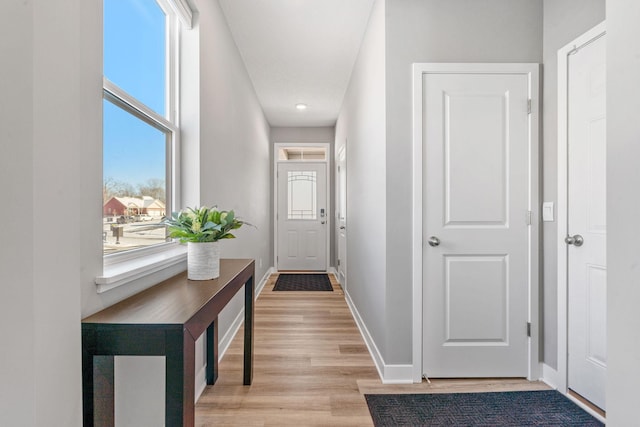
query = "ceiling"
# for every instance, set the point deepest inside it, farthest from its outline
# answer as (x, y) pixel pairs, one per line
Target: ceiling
(299, 51)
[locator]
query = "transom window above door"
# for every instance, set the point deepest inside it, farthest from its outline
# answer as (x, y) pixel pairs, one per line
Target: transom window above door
(302, 154)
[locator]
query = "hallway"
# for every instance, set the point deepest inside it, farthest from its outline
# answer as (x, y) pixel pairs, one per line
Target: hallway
(311, 367)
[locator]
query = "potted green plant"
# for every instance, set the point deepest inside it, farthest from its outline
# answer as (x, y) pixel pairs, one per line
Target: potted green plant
(201, 229)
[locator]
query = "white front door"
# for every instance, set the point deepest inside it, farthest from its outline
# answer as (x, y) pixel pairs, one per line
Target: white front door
(341, 166)
(586, 248)
(476, 232)
(302, 216)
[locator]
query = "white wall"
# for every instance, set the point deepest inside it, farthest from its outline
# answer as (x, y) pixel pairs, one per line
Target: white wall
(17, 258)
(564, 20)
(51, 154)
(623, 205)
(435, 31)
(362, 124)
(48, 123)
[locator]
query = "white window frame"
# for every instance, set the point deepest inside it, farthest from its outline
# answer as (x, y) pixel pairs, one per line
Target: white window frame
(124, 267)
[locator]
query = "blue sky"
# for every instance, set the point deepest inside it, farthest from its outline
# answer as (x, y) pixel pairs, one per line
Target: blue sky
(134, 59)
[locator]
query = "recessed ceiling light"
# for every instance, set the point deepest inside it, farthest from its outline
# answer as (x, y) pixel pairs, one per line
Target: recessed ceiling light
(301, 106)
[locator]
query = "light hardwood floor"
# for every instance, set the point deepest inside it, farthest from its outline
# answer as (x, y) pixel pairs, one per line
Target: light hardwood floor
(311, 368)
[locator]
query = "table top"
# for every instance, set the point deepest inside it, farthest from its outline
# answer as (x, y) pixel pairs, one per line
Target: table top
(174, 301)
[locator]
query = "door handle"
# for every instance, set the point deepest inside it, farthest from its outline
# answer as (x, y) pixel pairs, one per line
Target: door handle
(322, 222)
(342, 227)
(433, 241)
(576, 240)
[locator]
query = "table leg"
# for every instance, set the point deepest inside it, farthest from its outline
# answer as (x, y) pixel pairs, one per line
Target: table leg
(212, 352)
(104, 391)
(180, 376)
(97, 384)
(88, 347)
(249, 292)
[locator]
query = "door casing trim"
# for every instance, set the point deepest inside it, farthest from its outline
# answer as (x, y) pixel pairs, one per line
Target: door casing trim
(562, 203)
(327, 162)
(532, 71)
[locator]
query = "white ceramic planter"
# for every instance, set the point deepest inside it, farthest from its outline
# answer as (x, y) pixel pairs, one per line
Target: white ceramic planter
(203, 260)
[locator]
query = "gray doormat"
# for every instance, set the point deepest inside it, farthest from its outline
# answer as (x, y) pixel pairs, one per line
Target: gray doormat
(522, 408)
(303, 282)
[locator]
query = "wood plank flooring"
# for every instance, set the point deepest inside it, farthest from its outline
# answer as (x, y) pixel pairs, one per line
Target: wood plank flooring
(311, 368)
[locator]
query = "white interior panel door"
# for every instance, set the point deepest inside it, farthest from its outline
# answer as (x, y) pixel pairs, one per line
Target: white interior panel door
(476, 224)
(586, 242)
(341, 167)
(302, 216)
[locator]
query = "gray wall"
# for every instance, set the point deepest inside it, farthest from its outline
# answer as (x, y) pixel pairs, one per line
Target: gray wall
(623, 205)
(564, 20)
(435, 31)
(324, 134)
(361, 125)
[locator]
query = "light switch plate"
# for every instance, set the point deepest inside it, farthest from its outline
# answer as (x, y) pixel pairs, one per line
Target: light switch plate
(547, 211)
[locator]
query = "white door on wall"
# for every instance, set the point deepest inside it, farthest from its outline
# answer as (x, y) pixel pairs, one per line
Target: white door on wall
(341, 168)
(586, 242)
(302, 216)
(476, 202)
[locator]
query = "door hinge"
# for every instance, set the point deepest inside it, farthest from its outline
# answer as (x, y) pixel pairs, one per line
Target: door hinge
(338, 263)
(528, 329)
(338, 168)
(528, 106)
(529, 217)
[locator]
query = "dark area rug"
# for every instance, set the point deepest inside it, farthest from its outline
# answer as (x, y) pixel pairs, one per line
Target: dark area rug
(303, 282)
(522, 408)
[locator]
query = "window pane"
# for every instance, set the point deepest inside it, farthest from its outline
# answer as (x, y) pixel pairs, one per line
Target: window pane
(302, 153)
(134, 188)
(135, 49)
(302, 195)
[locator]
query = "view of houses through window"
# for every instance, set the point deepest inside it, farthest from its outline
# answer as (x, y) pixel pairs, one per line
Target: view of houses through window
(138, 130)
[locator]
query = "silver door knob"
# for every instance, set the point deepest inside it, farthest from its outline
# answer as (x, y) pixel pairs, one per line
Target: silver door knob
(433, 241)
(576, 240)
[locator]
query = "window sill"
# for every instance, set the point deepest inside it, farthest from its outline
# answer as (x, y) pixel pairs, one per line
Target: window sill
(121, 273)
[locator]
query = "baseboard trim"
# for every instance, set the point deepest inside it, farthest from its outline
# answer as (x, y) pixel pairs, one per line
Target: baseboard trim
(549, 376)
(368, 340)
(389, 374)
(398, 374)
(264, 280)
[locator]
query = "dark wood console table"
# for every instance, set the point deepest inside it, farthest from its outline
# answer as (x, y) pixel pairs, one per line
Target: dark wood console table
(164, 320)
